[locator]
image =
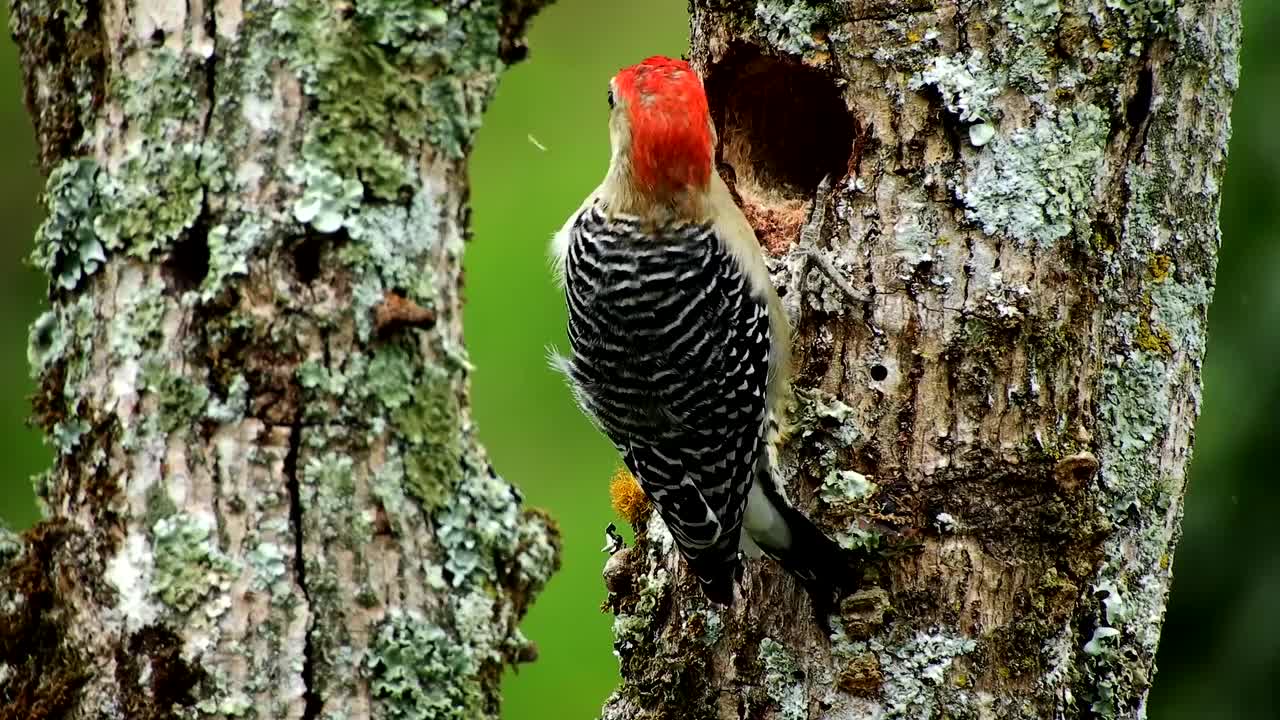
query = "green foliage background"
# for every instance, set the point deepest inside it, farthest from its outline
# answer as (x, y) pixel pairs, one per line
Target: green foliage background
(544, 146)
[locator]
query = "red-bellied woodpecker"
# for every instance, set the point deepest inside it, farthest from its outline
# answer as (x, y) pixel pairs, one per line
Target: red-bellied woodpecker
(679, 343)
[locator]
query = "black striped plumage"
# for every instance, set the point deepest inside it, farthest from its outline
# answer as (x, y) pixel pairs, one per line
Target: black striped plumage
(671, 358)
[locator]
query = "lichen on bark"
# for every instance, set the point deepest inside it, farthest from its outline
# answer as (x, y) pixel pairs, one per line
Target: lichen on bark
(1000, 385)
(284, 497)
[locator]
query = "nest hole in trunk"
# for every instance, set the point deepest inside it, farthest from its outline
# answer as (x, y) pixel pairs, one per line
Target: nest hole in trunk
(783, 125)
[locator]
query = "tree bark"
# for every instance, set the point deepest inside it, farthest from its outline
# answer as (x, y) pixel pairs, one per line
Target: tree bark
(268, 499)
(999, 295)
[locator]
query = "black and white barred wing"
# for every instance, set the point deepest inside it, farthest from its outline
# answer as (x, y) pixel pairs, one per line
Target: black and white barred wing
(670, 358)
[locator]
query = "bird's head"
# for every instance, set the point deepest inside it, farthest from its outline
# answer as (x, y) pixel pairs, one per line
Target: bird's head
(661, 132)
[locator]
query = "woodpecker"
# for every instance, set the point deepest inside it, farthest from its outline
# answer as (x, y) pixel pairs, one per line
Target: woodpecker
(680, 345)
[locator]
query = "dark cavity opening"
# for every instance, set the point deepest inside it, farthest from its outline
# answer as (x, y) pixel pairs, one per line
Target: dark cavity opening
(879, 372)
(782, 125)
(188, 262)
(306, 257)
(1139, 105)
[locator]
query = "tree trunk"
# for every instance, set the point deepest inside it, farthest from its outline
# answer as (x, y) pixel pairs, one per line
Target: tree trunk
(268, 498)
(1000, 312)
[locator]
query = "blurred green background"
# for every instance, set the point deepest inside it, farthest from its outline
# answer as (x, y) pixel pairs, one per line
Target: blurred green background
(544, 146)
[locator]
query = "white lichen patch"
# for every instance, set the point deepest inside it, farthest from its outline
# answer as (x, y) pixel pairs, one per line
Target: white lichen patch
(327, 199)
(129, 571)
(981, 133)
(233, 407)
(789, 25)
(1178, 310)
(1139, 15)
(915, 673)
(967, 86)
(483, 516)
(474, 615)
(1034, 183)
(845, 486)
(1004, 301)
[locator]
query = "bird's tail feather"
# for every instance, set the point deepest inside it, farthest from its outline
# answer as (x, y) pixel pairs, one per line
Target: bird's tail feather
(820, 564)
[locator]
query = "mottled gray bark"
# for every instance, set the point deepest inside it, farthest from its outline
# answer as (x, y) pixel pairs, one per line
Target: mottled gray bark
(1000, 312)
(268, 499)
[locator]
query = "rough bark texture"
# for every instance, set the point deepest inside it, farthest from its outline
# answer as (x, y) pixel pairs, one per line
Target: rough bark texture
(268, 500)
(1023, 212)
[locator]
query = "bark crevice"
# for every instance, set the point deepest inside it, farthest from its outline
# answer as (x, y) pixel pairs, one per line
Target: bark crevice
(313, 702)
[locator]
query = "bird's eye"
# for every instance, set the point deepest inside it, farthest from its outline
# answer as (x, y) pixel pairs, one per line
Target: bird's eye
(610, 98)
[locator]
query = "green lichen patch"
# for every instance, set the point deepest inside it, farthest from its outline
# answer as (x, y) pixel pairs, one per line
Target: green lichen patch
(66, 434)
(229, 251)
(189, 565)
(392, 240)
(388, 487)
(1034, 184)
(417, 671)
(481, 519)
(1180, 307)
(46, 342)
(155, 191)
(420, 402)
(136, 325)
(819, 415)
(1030, 17)
(233, 407)
(181, 401)
(1134, 407)
(326, 199)
(270, 570)
(388, 79)
(67, 246)
(390, 376)
(329, 492)
(633, 625)
(429, 425)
